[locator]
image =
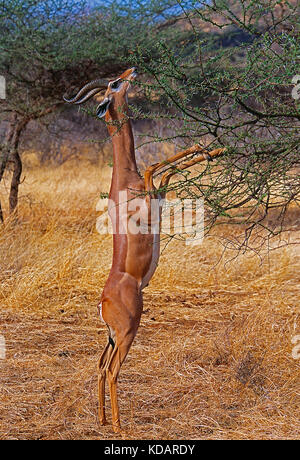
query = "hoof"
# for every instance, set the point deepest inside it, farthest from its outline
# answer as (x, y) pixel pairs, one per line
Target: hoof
(118, 430)
(103, 422)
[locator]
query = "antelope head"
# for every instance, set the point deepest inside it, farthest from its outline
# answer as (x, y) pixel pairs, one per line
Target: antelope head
(115, 92)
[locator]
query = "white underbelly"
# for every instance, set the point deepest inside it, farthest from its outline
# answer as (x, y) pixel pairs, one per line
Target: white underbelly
(154, 261)
(155, 248)
(100, 311)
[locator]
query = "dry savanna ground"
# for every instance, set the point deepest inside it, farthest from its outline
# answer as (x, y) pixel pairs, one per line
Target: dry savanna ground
(213, 358)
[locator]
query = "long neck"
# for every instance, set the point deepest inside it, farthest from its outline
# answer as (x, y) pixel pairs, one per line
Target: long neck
(123, 143)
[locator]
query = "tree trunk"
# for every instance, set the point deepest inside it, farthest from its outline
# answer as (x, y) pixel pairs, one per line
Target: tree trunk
(18, 167)
(15, 181)
(5, 150)
(11, 150)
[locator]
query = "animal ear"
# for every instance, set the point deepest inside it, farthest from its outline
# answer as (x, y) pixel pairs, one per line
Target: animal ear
(102, 108)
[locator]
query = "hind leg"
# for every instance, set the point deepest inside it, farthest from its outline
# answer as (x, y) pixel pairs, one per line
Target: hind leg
(117, 358)
(121, 311)
(104, 360)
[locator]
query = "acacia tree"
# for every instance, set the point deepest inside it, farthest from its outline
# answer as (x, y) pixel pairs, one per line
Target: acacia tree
(228, 83)
(32, 33)
(48, 48)
(219, 72)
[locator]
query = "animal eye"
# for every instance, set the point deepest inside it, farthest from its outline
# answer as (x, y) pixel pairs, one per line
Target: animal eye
(115, 84)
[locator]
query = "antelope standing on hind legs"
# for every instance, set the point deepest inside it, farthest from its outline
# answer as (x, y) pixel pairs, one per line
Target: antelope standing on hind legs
(135, 254)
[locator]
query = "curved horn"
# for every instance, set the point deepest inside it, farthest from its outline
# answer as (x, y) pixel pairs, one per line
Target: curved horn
(88, 91)
(83, 98)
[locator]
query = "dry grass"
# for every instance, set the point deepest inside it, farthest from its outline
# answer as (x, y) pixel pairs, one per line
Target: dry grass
(213, 356)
